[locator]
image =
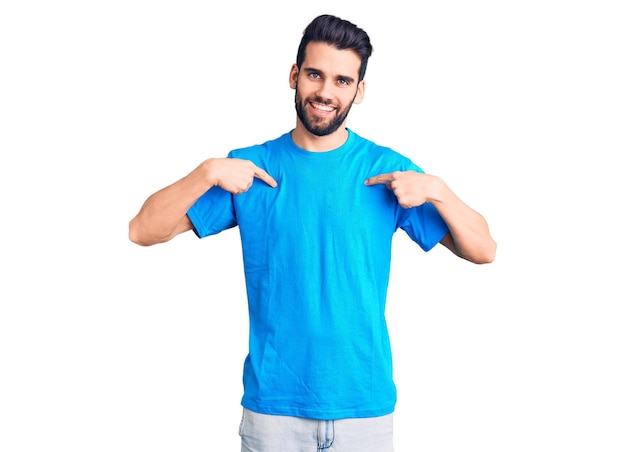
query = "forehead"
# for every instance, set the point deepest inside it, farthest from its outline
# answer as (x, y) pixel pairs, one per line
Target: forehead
(331, 60)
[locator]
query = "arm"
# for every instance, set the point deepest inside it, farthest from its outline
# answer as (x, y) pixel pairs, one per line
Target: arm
(469, 235)
(164, 214)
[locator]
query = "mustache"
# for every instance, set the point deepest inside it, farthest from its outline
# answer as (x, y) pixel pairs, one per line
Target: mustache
(319, 100)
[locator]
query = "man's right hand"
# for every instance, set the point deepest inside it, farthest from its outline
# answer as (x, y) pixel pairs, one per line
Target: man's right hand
(235, 175)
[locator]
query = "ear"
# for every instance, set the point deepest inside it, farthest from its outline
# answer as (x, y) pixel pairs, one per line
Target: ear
(360, 92)
(293, 76)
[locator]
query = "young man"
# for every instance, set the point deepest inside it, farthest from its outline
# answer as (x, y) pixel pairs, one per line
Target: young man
(316, 209)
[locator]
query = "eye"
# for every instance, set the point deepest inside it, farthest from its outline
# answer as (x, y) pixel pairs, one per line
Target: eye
(343, 82)
(314, 75)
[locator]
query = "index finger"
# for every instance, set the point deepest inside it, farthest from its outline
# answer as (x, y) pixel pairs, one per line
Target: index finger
(380, 179)
(265, 177)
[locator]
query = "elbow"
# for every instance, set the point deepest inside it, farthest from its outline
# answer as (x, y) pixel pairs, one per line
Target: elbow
(477, 252)
(487, 255)
(142, 234)
(135, 236)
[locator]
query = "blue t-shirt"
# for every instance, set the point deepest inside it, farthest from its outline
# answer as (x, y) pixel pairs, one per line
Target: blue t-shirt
(316, 253)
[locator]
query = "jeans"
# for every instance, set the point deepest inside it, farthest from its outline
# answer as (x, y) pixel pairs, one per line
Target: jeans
(269, 433)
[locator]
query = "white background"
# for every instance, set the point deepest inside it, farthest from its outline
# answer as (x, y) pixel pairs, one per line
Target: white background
(519, 106)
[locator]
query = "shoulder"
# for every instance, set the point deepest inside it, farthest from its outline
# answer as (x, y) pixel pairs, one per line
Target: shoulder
(261, 149)
(376, 152)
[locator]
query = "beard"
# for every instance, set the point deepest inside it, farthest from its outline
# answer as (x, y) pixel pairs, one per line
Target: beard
(320, 126)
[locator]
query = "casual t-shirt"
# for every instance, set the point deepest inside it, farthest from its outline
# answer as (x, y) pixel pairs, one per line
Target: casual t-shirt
(316, 254)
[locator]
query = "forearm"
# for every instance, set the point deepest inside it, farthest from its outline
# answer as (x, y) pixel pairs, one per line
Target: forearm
(163, 214)
(469, 230)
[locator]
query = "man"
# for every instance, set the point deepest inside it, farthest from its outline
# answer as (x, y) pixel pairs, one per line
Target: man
(316, 209)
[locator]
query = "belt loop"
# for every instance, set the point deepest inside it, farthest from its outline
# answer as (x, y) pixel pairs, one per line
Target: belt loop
(325, 434)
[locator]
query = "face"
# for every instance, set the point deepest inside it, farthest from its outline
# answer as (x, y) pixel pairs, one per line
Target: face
(326, 87)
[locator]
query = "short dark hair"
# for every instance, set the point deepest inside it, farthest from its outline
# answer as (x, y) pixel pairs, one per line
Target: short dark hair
(340, 33)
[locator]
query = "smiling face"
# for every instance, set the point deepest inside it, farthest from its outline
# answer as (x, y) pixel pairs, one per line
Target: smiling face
(326, 87)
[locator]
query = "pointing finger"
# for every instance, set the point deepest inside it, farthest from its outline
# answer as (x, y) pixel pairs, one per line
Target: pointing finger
(265, 177)
(380, 179)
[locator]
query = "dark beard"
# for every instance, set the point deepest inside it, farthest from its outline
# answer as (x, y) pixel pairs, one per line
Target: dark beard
(317, 127)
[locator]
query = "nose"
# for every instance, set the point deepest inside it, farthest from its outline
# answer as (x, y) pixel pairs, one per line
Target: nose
(325, 90)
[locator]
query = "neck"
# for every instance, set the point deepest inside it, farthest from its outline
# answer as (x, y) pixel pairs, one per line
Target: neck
(310, 142)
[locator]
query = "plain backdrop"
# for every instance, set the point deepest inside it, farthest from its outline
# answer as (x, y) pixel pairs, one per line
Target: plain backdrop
(519, 106)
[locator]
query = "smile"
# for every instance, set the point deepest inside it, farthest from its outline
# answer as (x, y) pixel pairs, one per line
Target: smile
(322, 107)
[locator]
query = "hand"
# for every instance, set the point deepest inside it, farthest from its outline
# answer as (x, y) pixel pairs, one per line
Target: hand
(410, 187)
(236, 175)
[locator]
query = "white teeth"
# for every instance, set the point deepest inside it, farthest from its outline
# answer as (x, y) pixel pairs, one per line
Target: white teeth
(323, 107)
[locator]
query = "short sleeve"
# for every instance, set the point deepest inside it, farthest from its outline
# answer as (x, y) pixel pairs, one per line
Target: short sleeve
(212, 213)
(424, 225)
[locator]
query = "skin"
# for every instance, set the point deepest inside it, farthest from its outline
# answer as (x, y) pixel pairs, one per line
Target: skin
(326, 87)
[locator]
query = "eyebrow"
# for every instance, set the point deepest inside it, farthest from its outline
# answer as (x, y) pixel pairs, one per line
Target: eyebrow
(312, 69)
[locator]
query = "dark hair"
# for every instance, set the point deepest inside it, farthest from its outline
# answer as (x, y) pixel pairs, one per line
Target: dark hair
(339, 33)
